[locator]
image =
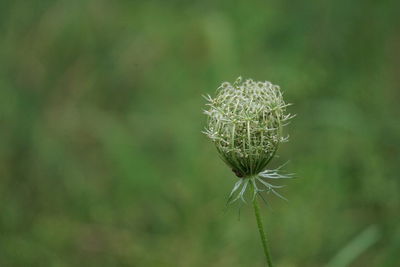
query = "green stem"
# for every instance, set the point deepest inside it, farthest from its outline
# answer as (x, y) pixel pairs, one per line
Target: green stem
(261, 231)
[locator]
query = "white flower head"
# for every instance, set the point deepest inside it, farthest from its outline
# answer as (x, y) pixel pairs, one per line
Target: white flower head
(245, 122)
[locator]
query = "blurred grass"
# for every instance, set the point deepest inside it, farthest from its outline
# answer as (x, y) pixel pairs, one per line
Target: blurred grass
(102, 162)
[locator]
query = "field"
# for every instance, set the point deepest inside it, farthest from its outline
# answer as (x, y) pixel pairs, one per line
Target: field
(102, 159)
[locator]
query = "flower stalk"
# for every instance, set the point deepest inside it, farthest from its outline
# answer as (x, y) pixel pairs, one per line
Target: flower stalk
(262, 232)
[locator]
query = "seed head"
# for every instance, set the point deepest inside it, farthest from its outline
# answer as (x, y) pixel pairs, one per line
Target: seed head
(245, 122)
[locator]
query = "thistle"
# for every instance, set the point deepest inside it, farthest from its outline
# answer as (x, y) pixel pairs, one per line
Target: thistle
(245, 122)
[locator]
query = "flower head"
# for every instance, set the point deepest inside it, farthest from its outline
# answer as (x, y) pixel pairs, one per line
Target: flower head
(245, 122)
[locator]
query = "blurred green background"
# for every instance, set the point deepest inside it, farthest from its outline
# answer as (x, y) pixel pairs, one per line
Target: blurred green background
(102, 160)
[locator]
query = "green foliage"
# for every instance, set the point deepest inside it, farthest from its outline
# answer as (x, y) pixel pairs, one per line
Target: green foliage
(102, 162)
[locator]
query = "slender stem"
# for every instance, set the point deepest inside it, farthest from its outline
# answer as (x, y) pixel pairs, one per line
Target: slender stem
(261, 230)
